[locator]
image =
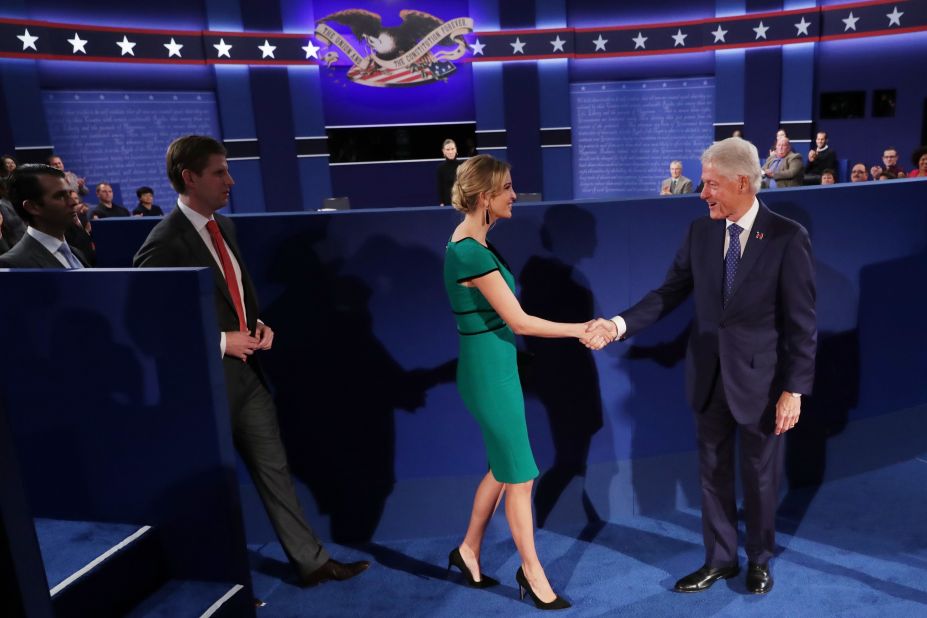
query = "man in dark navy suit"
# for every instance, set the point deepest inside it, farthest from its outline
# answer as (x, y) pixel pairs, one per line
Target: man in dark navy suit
(194, 234)
(40, 196)
(750, 355)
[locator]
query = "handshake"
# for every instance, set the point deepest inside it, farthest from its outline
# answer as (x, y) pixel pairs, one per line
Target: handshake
(599, 333)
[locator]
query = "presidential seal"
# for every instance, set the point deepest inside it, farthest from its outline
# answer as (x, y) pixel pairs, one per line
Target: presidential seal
(402, 55)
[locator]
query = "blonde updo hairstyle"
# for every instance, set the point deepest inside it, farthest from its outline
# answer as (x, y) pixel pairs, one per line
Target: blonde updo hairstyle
(476, 176)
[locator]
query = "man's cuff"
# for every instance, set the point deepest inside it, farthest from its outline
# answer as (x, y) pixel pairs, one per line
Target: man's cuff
(620, 325)
(221, 344)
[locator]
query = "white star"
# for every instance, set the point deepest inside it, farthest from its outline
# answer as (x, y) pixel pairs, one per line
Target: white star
(223, 49)
(679, 38)
(28, 40)
(312, 51)
(477, 47)
(600, 43)
(639, 41)
(173, 49)
(517, 47)
(760, 31)
(850, 22)
(126, 46)
(719, 35)
(802, 27)
(557, 43)
(267, 50)
(78, 44)
(894, 18)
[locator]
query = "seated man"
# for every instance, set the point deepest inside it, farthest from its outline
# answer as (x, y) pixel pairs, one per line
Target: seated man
(13, 226)
(783, 168)
(858, 173)
(75, 182)
(676, 183)
(828, 177)
(891, 170)
(820, 159)
(146, 206)
(41, 198)
(106, 208)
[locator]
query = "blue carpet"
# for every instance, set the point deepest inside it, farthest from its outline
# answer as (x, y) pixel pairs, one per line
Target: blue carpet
(856, 547)
(180, 598)
(68, 546)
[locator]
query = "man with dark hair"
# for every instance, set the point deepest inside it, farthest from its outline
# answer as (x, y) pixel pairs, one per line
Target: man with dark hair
(106, 207)
(40, 196)
(859, 173)
(891, 169)
(192, 235)
(146, 206)
(822, 158)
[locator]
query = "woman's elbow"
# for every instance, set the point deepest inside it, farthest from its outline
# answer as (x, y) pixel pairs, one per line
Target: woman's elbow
(520, 327)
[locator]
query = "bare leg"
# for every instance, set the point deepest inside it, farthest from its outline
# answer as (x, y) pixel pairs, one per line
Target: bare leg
(487, 498)
(518, 512)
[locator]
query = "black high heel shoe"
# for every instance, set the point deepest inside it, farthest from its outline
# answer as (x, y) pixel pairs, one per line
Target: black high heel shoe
(455, 559)
(524, 587)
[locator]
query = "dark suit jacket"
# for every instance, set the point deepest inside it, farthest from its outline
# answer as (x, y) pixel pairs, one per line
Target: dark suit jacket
(30, 253)
(765, 337)
(174, 242)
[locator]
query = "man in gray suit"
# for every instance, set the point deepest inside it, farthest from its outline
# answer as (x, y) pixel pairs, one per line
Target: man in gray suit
(783, 168)
(40, 196)
(676, 183)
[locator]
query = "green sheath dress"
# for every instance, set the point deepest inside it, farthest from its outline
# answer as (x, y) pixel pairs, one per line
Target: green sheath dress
(487, 372)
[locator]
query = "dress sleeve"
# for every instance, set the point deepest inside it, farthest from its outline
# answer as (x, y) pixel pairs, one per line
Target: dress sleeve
(472, 260)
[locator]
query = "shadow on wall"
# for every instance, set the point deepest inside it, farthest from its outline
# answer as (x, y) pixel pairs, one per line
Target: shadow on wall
(562, 373)
(337, 386)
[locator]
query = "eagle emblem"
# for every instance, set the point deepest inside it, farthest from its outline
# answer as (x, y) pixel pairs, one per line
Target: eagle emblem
(391, 56)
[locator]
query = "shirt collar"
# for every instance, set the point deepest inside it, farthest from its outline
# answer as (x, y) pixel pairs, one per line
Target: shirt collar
(746, 221)
(49, 242)
(198, 220)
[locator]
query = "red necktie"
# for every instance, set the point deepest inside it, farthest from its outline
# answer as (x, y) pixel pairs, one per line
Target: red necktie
(213, 228)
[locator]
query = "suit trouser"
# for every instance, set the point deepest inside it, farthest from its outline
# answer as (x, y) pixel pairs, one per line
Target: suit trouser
(760, 470)
(257, 438)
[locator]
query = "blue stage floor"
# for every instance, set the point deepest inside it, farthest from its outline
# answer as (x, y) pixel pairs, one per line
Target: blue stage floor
(858, 548)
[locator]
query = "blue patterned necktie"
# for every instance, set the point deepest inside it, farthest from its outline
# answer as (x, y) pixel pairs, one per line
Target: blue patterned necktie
(73, 262)
(731, 260)
(774, 166)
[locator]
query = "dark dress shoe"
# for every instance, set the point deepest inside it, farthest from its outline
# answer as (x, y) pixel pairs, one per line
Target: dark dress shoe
(333, 570)
(759, 579)
(704, 578)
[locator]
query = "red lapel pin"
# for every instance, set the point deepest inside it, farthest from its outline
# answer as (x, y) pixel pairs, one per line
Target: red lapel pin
(759, 235)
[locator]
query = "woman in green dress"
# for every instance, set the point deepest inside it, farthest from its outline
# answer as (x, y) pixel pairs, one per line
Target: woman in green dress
(481, 290)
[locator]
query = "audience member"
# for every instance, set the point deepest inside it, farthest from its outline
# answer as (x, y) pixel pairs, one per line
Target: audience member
(919, 159)
(858, 173)
(146, 206)
(13, 226)
(39, 194)
(75, 182)
(737, 133)
(78, 235)
(828, 177)
(447, 171)
(819, 159)
(783, 168)
(106, 208)
(890, 168)
(676, 183)
(780, 134)
(7, 165)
